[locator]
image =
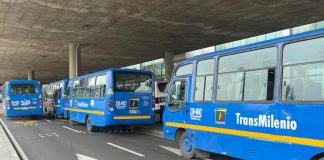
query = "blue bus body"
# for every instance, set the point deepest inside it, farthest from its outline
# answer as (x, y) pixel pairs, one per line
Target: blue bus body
(55, 102)
(262, 101)
(99, 98)
(22, 98)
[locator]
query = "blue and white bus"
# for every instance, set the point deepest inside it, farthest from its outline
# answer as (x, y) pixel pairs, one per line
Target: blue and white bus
(54, 101)
(111, 97)
(259, 101)
(22, 98)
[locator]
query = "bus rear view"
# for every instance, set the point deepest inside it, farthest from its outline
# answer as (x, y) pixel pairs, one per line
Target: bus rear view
(133, 97)
(22, 98)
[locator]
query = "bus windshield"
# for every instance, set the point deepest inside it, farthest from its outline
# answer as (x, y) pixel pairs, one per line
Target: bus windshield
(23, 89)
(132, 82)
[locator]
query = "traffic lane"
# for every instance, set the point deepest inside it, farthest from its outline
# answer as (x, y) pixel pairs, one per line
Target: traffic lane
(68, 143)
(40, 143)
(147, 146)
(65, 146)
(152, 146)
(101, 145)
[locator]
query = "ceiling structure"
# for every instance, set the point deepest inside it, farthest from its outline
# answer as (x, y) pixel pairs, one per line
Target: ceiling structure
(35, 34)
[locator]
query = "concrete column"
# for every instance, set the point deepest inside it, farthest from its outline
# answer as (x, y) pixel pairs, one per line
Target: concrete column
(74, 59)
(78, 59)
(168, 64)
(31, 75)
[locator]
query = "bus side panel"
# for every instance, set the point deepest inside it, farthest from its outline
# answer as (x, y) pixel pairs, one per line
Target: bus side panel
(100, 105)
(310, 124)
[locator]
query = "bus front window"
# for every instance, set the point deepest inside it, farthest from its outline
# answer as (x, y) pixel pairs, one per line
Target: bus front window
(177, 96)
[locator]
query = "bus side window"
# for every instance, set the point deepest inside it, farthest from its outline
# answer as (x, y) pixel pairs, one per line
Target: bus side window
(204, 80)
(100, 88)
(247, 76)
(177, 96)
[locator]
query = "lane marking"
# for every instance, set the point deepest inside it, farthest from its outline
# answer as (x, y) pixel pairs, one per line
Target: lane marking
(151, 134)
(48, 120)
(83, 157)
(125, 149)
(25, 122)
(72, 129)
(173, 150)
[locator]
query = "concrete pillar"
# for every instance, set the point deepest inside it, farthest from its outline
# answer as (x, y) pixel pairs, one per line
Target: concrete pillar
(168, 64)
(31, 75)
(74, 59)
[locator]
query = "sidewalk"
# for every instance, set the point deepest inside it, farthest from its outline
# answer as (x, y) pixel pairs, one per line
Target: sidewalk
(7, 151)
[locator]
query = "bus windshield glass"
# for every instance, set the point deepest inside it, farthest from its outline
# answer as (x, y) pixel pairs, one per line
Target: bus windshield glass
(23, 89)
(132, 82)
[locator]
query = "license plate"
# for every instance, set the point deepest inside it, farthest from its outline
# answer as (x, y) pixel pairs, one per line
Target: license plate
(133, 111)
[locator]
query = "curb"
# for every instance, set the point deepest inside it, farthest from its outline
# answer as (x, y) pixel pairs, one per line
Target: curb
(13, 141)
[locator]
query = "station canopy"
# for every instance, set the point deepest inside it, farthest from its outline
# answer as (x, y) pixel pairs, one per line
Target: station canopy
(35, 34)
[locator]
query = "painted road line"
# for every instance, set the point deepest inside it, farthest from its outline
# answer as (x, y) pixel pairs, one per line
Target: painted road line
(125, 149)
(83, 157)
(48, 120)
(14, 142)
(151, 134)
(30, 122)
(173, 150)
(72, 129)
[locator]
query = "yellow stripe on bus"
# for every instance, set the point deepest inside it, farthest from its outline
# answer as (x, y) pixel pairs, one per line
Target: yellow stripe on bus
(57, 105)
(21, 108)
(132, 117)
(257, 135)
(85, 111)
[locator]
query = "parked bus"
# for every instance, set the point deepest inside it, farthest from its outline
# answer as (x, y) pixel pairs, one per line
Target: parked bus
(22, 98)
(259, 101)
(111, 97)
(54, 102)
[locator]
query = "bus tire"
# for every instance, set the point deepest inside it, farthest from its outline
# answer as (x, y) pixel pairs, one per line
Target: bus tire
(185, 143)
(90, 127)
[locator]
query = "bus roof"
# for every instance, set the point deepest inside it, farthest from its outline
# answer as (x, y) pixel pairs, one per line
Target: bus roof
(23, 81)
(63, 80)
(256, 45)
(111, 69)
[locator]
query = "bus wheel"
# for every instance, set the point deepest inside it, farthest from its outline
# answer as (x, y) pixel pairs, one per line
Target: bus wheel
(90, 127)
(186, 147)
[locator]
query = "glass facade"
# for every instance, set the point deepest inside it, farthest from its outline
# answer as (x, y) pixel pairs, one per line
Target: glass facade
(157, 66)
(272, 35)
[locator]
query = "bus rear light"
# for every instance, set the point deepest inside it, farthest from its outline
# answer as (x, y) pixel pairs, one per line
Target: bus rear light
(153, 105)
(41, 103)
(8, 105)
(110, 104)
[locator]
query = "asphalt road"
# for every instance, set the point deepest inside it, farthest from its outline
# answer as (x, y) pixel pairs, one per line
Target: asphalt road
(48, 139)
(44, 139)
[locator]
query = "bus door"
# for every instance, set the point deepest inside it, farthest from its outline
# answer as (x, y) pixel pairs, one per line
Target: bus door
(177, 101)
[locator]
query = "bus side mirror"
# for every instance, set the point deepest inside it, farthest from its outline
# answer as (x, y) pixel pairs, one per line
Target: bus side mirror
(64, 96)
